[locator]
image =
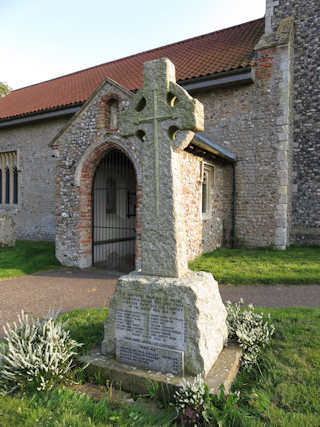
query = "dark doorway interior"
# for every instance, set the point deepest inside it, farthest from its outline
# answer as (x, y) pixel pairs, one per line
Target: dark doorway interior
(114, 213)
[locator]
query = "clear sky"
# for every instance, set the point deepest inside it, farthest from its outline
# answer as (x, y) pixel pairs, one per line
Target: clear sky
(44, 39)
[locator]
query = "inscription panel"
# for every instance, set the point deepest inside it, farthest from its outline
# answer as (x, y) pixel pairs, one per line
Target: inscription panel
(150, 357)
(150, 333)
(151, 321)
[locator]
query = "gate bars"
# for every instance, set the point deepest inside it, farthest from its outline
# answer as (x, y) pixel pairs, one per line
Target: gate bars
(114, 213)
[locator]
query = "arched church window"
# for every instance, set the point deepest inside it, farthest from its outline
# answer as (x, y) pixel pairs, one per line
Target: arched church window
(15, 185)
(9, 185)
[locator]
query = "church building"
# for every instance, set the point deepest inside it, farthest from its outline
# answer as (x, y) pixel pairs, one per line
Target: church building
(251, 178)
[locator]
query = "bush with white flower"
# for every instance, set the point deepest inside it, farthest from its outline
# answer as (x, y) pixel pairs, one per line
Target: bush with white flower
(36, 354)
(195, 405)
(189, 400)
(251, 330)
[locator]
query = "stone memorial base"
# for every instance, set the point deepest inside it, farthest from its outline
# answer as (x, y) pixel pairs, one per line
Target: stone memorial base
(167, 325)
(137, 381)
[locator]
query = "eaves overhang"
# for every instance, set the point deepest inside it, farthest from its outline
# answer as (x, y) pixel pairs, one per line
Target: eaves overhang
(35, 117)
(205, 144)
(236, 77)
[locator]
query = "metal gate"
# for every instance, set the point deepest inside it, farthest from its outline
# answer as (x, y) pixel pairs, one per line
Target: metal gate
(114, 213)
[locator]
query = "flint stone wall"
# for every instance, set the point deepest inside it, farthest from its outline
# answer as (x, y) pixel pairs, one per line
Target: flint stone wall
(34, 214)
(306, 112)
(7, 232)
(90, 129)
(252, 121)
(80, 147)
(209, 233)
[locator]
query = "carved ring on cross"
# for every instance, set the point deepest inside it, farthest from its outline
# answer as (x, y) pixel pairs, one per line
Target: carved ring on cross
(162, 107)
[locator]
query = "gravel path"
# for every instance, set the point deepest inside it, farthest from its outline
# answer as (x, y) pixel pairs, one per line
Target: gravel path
(274, 296)
(63, 290)
(67, 289)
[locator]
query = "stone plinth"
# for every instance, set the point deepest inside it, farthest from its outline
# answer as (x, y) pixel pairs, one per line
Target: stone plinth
(135, 380)
(7, 232)
(169, 325)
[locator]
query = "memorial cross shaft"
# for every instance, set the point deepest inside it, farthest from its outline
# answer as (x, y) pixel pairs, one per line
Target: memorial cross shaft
(156, 114)
(154, 119)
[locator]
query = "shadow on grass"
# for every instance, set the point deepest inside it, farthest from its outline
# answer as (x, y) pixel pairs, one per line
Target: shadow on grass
(27, 257)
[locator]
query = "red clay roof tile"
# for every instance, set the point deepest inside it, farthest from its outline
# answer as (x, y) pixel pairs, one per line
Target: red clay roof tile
(199, 56)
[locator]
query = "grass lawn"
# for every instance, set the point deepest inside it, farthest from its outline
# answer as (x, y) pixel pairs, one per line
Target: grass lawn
(285, 393)
(62, 407)
(296, 265)
(27, 257)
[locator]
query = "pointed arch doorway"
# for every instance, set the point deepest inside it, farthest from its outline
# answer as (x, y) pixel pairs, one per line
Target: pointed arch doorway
(114, 213)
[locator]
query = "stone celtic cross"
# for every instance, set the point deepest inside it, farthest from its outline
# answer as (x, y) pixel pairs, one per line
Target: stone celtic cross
(163, 116)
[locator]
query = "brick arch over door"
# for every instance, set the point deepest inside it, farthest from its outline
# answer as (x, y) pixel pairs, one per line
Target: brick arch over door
(84, 177)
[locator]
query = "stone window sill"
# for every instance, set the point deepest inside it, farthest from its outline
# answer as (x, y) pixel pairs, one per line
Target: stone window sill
(9, 208)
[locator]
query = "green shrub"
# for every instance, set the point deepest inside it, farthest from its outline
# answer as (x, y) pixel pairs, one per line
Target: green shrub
(224, 410)
(250, 330)
(36, 354)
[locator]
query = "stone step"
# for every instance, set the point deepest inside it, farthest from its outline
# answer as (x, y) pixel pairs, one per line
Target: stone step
(138, 381)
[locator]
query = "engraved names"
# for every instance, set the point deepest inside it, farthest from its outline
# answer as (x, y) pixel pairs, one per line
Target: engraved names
(150, 357)
(150, 332)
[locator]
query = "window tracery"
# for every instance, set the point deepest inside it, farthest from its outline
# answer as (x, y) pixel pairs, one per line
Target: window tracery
(9, 185)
